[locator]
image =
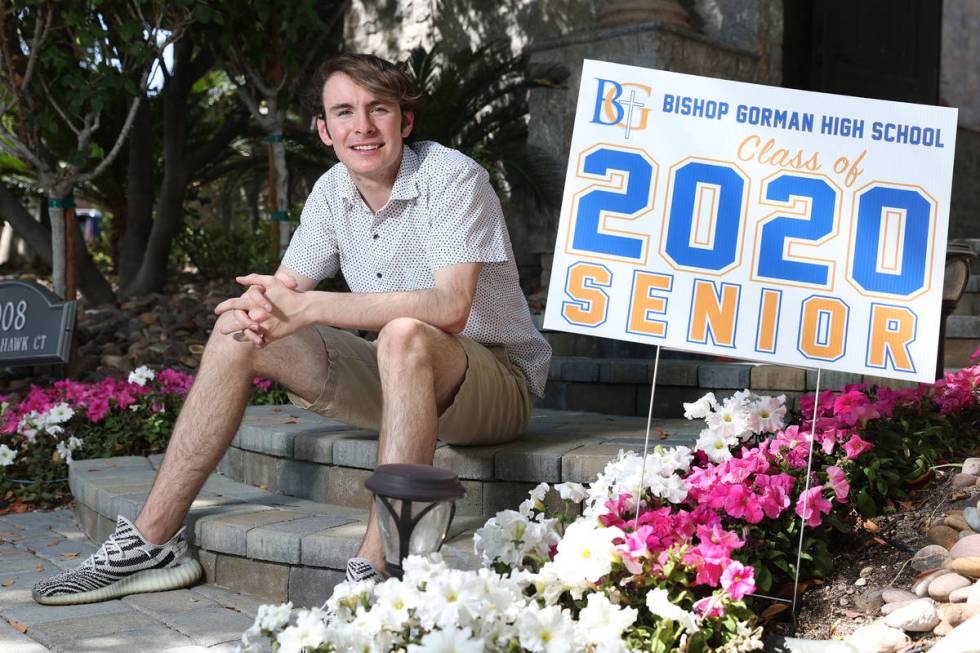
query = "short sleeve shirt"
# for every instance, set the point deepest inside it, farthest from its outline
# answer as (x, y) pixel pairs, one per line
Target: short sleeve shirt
(442, 211)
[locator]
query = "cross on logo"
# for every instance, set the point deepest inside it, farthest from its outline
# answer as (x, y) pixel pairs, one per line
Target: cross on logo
(630, 104)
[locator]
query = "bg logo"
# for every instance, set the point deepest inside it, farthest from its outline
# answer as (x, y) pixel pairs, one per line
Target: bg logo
(610, 109)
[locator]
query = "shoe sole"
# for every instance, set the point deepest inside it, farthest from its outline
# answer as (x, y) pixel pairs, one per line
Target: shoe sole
(150, 580)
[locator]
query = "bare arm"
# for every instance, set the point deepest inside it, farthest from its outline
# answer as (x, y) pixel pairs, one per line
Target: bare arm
(280, 310)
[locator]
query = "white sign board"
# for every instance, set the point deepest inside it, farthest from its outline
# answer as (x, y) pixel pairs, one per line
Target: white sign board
(754, 222)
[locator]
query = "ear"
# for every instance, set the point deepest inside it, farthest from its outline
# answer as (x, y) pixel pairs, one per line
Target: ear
(408, 122)
(321, 129)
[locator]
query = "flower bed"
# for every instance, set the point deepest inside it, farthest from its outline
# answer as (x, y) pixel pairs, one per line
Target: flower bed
(672, 572)
(49, 428)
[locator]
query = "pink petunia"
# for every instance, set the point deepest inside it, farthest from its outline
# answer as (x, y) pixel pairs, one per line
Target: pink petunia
(738, 580)
(709, 607)
(855, 447)
(742, 503)
(837, 481)
(811, 505)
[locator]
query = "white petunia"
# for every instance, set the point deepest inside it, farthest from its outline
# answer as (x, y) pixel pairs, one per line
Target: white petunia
(74, 443)
(59, 414)
(546, 630)
(600, 620)
(715, 445)
(768, 413)
(700, 408)
(310, 631)
(7, 455)
(64, 452)
(141, 375)
(570, 491)
(586, 552)
(658, 602)
(394, 599)
(448, 640)
(273, 617)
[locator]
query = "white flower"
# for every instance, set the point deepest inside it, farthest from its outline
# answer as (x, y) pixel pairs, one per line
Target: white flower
(715, 445)
(574, 492)
(503, 538)
(74, 443)
(449, 599)
(273, 617)
(724, 421)
(658, 602)
(700, 408)
(141, 375)
(54, 429)
(585, 552)
(7, 455)
(600, 620)
(64, 452)
(448, 640)
(347, 597)
(546, 630)
(394, 600)
(59, 414)
(767, 414)
(309, 631)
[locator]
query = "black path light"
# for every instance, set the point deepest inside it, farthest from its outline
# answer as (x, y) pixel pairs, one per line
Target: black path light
(415, 505)
(958, 260)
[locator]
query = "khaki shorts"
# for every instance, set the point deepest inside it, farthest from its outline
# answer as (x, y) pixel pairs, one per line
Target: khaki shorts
(491, 406)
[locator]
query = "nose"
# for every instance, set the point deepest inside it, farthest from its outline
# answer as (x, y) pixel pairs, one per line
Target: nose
(363, 123)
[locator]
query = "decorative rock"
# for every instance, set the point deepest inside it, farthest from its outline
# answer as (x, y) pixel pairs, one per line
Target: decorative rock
(893, 595)
(921, 587)
(861, 582)
(972, 517)
(869, 600)
(966, 533)
(957, 522)
(973, 598)
(944, 628)
(968, 546)
(969, 566)
(965, 638)
(940, 588)
(917, 617)
(943, 536)
(957, 614)
(971, 466)
(931, 556)
(888, 608)
(964, 480)
(878, 637)
(866, 571)
(960, 595)
(937, 521)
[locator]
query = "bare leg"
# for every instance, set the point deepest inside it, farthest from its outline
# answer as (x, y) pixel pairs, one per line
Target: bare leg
(421, 369)
(213, 412)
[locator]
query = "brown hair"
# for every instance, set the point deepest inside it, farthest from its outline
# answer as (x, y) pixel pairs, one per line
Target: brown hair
(383, 78)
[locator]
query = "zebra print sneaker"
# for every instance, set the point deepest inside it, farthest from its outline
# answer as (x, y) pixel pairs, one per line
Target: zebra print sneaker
(359, 569)
(125, 564)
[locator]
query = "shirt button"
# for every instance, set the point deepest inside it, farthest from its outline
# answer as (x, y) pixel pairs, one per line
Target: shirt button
(376, 236)
(379, 275)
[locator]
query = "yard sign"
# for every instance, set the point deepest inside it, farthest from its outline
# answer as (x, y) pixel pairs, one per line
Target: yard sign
(754, 222)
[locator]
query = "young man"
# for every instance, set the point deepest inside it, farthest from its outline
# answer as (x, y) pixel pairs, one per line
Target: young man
(419, 236)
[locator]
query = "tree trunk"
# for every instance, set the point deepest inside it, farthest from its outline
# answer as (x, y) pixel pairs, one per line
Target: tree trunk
(282, 192)
(139, 198)
(92, 284)
(169, 213)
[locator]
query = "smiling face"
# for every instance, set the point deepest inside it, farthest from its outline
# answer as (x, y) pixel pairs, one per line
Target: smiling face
(365, 131)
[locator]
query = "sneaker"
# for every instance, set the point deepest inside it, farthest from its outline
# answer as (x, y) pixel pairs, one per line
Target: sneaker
(125, 564)
(359, 569)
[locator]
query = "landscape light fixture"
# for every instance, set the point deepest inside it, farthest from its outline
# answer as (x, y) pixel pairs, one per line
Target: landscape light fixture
(958, 260)
(415, 505)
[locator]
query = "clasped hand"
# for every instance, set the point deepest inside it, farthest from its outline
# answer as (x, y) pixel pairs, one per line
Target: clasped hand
(269, 309)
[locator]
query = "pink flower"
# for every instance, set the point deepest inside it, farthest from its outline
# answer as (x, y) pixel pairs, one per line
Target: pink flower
(742, 503)
(709, 607)
(837, 481)
(738, 580)
(855, 447)
(811, 505)
(262, 384)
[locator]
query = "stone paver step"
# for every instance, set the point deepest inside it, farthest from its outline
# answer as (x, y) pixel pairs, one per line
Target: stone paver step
(298, 453)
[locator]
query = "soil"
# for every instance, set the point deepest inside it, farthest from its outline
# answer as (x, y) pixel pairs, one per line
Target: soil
(878, 557)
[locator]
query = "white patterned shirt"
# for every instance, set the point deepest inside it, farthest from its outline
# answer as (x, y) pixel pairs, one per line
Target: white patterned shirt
(442, 211)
